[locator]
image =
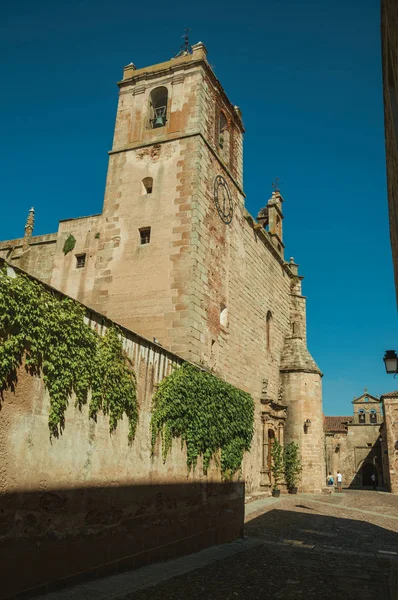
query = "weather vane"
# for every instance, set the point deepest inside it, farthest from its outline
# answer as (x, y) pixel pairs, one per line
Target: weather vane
(185, 48)
(275, 184)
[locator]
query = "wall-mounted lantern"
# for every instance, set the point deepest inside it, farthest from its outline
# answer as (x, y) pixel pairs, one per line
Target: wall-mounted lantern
(307, 423)
(391, 361)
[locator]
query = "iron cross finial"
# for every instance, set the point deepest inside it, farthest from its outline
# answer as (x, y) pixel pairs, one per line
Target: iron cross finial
(275, 184)
(185, 48)
(365, 390)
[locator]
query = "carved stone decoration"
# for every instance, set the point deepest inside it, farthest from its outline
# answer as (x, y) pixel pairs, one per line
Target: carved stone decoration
(273, 419)
(264, 389)
(280, 393)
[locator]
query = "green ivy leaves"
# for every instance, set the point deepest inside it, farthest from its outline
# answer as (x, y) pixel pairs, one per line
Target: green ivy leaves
(208, 415)
(70, 243)
(52, 337)
(114, 384)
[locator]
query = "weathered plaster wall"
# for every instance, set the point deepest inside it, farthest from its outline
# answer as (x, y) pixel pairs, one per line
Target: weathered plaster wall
(90, 502)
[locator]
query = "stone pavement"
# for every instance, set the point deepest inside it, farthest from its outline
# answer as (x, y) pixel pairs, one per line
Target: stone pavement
(306, 546)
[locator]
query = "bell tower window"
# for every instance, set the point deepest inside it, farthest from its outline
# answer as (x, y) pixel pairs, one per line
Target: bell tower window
(158, 107)
(373, 416)
(361, 416)
(223, 137)
(222, 130)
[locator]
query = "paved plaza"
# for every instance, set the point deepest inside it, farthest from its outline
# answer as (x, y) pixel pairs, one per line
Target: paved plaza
(306, 546)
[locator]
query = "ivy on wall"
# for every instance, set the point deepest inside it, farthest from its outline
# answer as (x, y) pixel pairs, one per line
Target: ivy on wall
(114, 383)
(207, 414)
(50, 335)
(70, 243)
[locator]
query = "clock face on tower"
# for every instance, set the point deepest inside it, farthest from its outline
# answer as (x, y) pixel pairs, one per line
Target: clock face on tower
(223, 200)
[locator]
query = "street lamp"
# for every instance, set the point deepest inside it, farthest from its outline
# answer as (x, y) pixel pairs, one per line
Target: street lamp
(391, 361)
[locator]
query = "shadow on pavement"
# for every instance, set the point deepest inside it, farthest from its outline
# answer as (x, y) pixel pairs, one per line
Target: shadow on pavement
(309, 556)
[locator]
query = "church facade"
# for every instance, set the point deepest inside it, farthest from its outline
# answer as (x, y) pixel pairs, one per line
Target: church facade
(176, 257)
(355, 445)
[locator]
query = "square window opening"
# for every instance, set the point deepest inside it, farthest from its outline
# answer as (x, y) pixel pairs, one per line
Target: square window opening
(145, 235)
(80, 261)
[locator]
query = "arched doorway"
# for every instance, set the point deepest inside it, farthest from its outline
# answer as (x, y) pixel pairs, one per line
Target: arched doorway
(367, 471)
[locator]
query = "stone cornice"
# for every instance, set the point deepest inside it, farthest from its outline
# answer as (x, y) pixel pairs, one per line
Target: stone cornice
(278, 238)
(378, 424)
(46, 238)
(263, 235)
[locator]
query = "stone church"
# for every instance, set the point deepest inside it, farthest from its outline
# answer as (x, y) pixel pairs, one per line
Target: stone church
(354, 444)
(175, 256)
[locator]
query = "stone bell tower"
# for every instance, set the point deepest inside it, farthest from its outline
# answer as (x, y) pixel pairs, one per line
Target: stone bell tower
(175, 130)
(176, 256)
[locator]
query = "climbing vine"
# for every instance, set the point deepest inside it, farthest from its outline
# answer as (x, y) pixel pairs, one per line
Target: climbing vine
(207, 414)
(49, 334)
(114, 384)
(70, 243)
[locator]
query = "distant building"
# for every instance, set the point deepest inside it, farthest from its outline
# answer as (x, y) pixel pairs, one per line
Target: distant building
(353, 444)
(389, 34)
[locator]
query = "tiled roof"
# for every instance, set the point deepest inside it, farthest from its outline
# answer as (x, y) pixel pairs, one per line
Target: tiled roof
(390, 395)
(336, 423)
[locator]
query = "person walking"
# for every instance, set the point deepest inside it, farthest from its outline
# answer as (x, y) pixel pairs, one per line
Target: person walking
(339, 481)
(373, 478)
(330, 479)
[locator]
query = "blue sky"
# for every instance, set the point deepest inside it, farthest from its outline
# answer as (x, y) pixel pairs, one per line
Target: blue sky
(307, 77)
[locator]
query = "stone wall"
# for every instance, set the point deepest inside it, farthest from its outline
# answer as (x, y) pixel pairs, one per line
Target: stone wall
(88, 502)
(356, 453)
(389, 31)
(390, 431)
(219, 294)
(302, 393)
(38, 259)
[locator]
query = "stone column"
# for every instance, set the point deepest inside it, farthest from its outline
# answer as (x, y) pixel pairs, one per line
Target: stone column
(302, 393)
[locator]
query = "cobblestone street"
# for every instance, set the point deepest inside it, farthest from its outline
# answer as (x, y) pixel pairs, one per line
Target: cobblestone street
(338, 546)
(306, 546)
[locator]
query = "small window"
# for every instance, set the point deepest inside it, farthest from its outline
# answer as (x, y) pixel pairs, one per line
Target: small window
(147, 185)
(80, 261)
(268, 324)
(361, 416)
(222, 130)
(373, 416)
(223, 315)
(158, 107)
(145, 235)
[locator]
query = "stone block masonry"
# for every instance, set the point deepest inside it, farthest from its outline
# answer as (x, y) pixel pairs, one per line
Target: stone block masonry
(88, 503)
(210, 282)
